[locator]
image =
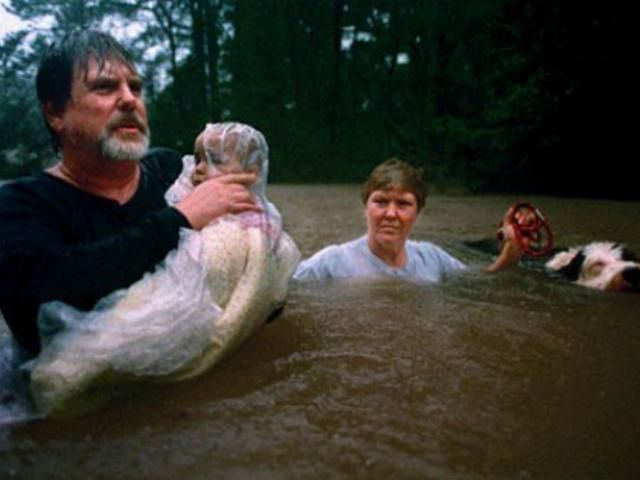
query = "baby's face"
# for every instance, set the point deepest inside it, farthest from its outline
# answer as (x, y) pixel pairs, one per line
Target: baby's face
(215, 157)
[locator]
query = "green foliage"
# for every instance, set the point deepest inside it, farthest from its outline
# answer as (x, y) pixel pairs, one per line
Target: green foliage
(23, 140)
(488, 96)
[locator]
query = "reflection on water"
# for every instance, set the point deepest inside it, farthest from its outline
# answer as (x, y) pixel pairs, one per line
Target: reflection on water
(485, 376)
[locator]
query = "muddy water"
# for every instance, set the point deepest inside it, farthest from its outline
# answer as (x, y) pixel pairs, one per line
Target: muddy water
(485, 376)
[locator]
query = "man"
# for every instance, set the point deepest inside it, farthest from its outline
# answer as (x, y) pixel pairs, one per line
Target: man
(96, 221)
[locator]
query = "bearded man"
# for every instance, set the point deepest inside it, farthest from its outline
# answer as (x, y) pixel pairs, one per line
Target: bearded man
(96, 221)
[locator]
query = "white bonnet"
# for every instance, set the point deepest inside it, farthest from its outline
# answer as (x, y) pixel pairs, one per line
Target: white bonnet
(226, 141)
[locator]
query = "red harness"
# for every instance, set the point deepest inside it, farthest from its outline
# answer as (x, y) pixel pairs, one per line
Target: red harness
(532, 231)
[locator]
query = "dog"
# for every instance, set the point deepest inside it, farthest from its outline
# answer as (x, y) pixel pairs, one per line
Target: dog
(606, 266)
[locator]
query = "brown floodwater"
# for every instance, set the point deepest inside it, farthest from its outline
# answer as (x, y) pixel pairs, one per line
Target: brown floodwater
(514, 375)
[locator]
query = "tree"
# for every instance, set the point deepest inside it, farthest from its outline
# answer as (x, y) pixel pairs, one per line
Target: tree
(490, 96)
(24, 144)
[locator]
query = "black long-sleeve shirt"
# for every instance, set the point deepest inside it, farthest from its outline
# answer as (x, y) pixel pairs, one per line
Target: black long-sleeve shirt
(60, 243)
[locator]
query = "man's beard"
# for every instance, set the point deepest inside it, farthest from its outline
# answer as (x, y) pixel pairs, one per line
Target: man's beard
(121, 150)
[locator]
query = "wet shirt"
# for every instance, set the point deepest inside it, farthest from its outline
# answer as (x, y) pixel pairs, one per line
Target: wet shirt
(60, 243)
(425, 262)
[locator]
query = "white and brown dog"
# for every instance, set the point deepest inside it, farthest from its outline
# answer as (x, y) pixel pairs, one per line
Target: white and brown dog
(600, 265)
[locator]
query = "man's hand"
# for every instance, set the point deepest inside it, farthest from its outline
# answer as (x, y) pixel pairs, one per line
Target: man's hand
(218, 196)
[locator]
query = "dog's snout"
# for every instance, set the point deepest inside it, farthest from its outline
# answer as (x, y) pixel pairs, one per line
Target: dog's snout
(631, 275)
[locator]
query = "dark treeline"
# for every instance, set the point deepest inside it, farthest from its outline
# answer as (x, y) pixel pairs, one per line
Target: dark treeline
(488, 95)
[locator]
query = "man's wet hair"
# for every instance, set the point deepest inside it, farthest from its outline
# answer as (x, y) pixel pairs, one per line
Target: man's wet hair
(68, 56)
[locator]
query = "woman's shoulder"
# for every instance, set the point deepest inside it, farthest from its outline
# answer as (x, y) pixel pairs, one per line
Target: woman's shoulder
(340, 248)
(335, 251)
(430, 252)
(330, 261)
(424, 246)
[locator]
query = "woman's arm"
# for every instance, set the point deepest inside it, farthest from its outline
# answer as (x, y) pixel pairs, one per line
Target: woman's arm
(512, 250)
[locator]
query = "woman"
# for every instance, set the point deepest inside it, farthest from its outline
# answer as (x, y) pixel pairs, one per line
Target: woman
(393, 196)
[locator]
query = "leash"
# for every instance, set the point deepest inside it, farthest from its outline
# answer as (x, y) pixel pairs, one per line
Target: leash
(532, 231)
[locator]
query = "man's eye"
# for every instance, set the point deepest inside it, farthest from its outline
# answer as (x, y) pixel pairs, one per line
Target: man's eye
(104, 84)
(102, 87)
(136, 87)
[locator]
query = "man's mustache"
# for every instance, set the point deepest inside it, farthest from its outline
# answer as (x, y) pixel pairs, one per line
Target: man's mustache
(132, 119)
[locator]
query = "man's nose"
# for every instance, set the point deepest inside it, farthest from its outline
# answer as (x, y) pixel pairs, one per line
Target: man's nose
(127, 98)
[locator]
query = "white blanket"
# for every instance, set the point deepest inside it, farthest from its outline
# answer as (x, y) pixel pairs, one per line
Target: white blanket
(209, 295)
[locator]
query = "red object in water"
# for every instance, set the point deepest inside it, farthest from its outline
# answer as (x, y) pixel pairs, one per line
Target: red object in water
(532, 231)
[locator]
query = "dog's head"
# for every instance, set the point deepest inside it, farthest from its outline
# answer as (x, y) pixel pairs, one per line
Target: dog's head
(600, 265)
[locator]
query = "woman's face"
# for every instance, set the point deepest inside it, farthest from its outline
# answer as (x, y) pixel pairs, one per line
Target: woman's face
(391, 214)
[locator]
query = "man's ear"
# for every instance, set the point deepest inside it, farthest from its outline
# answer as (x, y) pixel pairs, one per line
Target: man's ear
(54, 116)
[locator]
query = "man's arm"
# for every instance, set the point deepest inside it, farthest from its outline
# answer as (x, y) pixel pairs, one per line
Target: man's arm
(37, 264)
(40, 263)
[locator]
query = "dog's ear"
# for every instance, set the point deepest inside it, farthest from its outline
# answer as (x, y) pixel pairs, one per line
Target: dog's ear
(625, 254)
(561, 259)
(572, 270)
(568, 264)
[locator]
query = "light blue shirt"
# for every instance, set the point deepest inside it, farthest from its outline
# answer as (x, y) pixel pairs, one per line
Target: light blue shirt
(425, 262)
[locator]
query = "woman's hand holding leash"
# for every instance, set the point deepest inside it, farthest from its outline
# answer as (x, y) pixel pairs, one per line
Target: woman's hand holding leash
(523, 231)
(526, 225)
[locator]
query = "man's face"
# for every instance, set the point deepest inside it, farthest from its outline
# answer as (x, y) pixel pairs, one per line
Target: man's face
(105, 115)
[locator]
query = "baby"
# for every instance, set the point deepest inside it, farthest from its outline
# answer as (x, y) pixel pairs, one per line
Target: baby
(201, 302)
(230, 147)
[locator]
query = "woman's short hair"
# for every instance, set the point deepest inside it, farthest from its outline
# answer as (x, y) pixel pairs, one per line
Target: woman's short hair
(397, 173)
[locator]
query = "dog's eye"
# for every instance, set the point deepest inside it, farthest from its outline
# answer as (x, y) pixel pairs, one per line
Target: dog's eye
(595, 268)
